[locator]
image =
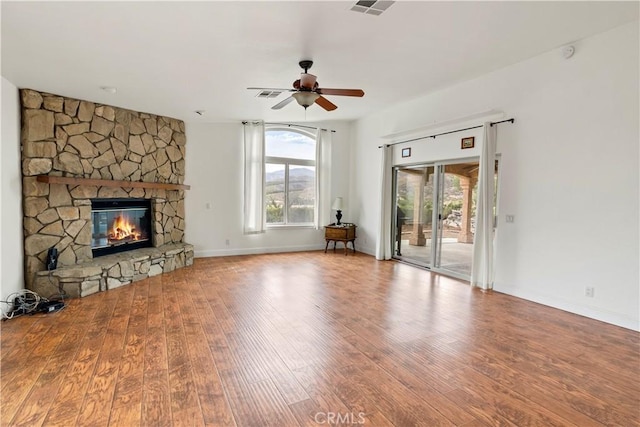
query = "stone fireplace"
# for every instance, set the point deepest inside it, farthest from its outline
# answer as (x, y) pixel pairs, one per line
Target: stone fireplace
(81, 163)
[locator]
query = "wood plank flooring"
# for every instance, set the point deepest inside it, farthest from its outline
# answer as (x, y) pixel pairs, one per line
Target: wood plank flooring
(311, 339)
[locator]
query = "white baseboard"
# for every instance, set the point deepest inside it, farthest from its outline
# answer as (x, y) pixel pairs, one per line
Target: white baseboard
(367, 250)
(255, 251)
(596, 313)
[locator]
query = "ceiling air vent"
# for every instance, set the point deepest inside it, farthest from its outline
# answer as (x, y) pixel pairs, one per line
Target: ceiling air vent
(268, 93)
(372, 7)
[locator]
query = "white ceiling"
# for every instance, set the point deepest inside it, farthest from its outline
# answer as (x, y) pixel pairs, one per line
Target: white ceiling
(172, 58)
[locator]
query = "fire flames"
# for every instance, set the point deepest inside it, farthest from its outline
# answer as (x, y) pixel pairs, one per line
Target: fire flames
(123, 230)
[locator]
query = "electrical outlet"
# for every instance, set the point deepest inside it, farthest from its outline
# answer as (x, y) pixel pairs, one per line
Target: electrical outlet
(510, 218)
(227, 242)
(207, 205)
(589, 291)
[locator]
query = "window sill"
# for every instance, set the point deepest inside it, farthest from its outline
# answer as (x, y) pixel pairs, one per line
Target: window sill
(290, 226)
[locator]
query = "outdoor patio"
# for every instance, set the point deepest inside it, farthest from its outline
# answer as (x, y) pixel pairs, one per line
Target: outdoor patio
(455, 256)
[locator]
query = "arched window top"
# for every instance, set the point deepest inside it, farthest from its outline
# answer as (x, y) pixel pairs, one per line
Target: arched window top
(290, 143)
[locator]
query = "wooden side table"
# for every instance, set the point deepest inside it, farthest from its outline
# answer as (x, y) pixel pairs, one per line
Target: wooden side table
(340, 233)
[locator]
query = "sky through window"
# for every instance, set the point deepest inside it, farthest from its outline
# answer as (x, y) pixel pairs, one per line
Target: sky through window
(289, 144)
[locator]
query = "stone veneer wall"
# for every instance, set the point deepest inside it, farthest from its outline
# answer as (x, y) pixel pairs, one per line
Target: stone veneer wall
(73, 138)
(113, 271)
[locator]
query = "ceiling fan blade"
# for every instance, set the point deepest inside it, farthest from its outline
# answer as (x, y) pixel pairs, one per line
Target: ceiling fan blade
(326, 104)
(342, 92)
(271, 88)
(282, 103)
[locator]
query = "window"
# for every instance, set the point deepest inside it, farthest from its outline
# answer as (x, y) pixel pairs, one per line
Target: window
(290, 177)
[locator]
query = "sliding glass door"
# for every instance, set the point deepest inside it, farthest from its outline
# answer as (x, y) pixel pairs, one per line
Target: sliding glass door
(456, 215)
(414, 214)
(435, 213)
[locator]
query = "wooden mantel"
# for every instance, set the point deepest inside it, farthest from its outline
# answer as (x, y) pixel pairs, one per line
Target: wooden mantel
(50, 179)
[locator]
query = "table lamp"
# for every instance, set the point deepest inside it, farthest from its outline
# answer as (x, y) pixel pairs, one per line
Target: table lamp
(337, 205)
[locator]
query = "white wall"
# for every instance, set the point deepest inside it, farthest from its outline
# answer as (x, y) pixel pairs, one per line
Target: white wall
(215, 173)
(569, 172)
(11, 265)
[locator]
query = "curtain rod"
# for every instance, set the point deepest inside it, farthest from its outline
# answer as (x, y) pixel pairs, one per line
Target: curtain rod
(299, 126)
(289, 125)
(445, 133)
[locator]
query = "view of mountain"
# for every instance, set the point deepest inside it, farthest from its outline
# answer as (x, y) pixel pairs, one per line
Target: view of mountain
(295, 174)
(301, 186)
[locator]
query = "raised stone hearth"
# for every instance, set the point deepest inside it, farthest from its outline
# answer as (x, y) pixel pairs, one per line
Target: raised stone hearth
(70, 138)
(113, 271)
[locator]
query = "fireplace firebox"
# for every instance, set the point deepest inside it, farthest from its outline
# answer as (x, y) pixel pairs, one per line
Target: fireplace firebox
(120, 225)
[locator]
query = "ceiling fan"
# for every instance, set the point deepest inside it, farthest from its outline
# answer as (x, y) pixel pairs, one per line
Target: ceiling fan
(306, 91)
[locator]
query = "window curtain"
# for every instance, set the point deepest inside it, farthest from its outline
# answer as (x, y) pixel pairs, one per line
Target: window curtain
(254, 219)
(323, 177)
(482, 264)
(383, 245)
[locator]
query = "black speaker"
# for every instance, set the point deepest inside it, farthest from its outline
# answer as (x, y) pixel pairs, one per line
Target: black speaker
(52, 258)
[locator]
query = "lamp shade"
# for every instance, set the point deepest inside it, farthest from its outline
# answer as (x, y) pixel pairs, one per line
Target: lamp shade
(305, 98)
(337, 204)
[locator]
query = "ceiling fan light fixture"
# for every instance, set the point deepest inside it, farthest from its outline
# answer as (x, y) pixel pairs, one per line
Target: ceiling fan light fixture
(306, 91)
(305, 99)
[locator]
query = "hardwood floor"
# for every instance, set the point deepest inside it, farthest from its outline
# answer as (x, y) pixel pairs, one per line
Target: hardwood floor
(314, 339)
